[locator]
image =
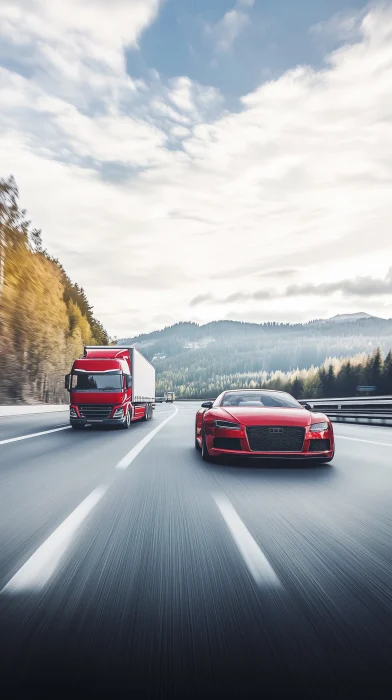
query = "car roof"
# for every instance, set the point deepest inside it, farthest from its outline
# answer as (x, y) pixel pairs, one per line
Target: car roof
(267, 391)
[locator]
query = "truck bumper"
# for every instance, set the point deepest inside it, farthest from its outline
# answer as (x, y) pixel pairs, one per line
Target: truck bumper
(105, 421)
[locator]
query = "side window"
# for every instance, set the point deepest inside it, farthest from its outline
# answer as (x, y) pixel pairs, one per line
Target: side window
(218, 400)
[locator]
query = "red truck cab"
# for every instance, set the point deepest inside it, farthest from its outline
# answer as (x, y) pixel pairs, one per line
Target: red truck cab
(111, 386)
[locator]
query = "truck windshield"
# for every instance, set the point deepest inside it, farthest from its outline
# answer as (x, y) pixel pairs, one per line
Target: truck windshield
(97, 381)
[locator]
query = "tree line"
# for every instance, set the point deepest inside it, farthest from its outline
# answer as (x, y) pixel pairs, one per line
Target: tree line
(336, 377)
(45, 319)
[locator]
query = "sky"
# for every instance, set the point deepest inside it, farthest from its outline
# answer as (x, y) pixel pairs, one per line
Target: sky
(195, 160)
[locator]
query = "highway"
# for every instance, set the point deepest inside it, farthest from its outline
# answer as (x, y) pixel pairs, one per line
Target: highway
(131, 568)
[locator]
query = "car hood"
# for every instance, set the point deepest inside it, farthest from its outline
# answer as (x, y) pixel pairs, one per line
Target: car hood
(266, 416)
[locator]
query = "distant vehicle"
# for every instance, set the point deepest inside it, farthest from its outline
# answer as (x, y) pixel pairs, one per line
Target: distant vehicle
(170, 397)
(110, 385)
(159, 399)
(257, 423)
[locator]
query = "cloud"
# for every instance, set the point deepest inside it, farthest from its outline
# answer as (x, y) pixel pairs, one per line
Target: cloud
(357, 287)
(279, 274)
(343, 26)
(225, 32)
(360, 286)
(298, 178)
(202, 299)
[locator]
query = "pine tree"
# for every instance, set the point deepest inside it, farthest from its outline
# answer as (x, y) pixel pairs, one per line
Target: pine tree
(387, 375)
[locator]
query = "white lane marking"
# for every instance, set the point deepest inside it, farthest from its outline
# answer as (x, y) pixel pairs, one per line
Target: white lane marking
(255, 560)
(371, 442)
(126, 461)
(33, 435)
(36, 572)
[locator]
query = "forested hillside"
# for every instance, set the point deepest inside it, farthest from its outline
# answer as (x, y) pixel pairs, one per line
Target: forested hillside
(44, 318)
(202, 360)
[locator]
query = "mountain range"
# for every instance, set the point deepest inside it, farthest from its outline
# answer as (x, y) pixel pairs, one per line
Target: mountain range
(192, 359)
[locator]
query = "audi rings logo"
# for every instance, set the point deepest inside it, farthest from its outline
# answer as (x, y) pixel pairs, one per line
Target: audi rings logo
(276, 431)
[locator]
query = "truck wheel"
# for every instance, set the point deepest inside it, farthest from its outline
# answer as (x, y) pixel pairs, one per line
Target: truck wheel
(148, 413)
(127, 421)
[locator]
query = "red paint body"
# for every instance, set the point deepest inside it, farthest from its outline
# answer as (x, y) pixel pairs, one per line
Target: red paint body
(271, 420)
(110, 407)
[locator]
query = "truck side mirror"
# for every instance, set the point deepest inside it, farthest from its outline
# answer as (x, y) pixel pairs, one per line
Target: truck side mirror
(66, 381)
(128, 381)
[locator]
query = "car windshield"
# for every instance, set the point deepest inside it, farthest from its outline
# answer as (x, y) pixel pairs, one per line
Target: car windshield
(259, 399)
(97, 381)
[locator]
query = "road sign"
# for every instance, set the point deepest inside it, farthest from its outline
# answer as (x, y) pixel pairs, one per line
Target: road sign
(366, 388)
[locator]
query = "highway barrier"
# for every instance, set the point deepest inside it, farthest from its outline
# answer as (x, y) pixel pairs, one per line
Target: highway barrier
(365, 410)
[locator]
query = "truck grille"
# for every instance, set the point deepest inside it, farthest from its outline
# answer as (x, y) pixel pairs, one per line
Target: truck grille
(95, 411)
(275, 438)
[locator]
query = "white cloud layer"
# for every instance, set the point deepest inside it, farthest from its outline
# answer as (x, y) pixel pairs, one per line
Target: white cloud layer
(152, 194)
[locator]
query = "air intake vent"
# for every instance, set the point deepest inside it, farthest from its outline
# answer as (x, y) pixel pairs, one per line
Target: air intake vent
(319, 445)
(227, 443)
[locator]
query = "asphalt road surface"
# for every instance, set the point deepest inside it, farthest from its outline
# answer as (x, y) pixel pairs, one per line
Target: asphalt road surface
(129, 568)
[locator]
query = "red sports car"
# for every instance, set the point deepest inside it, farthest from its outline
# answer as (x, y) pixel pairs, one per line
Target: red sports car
(258, 423)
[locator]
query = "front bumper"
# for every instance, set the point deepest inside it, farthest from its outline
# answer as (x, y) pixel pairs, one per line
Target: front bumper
(103, 421)
(240, 436)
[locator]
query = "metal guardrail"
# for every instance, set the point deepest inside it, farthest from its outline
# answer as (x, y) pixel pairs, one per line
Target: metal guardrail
(365, 410)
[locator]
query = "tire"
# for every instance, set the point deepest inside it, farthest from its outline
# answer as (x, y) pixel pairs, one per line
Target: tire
(127, 422)
(205, 455)
(197, 446)
(148, 413)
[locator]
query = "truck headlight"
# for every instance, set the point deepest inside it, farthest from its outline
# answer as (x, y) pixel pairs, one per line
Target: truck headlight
(319, 427)
(72, 413)
(119, 413)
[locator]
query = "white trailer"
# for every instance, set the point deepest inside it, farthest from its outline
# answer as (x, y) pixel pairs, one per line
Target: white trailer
(143, 378)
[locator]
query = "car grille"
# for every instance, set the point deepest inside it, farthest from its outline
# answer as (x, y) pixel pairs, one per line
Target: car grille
(275, 438)
(95, 411)
(318, 445)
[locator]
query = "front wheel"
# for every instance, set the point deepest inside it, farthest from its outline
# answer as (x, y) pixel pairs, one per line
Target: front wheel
(197, 446)
(127, 421)
(205, 455)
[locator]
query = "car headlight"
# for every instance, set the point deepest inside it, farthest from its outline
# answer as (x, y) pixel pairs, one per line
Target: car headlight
(226, 424)
(319, 427)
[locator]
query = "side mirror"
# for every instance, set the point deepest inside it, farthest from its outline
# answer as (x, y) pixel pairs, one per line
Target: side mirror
(207, 404)
(309, 406)
(128, 381)
(66, 381)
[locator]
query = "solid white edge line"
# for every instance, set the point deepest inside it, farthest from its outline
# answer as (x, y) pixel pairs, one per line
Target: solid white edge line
(37, 571)
(371, 442)
(33, 435)
(257, 563)
(130, 456)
